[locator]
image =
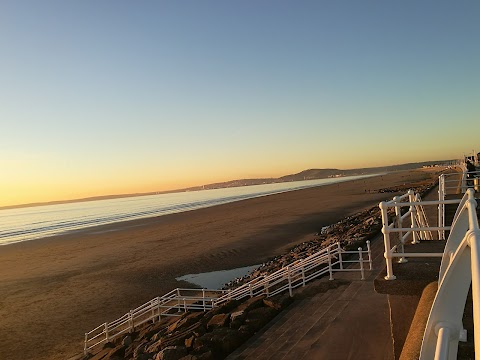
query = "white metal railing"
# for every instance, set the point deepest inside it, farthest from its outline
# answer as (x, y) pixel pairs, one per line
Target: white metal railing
(460, 267)
(458, 183)
(326, 261)
(408, 208)
(177, 300)
(298, 273)
(455, 183)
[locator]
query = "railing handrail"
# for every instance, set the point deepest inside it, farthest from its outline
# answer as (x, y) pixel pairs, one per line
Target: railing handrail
(463, 171)
(465, 180)
(286, 278)
(245, 290)
(460, 268)
(418, 226)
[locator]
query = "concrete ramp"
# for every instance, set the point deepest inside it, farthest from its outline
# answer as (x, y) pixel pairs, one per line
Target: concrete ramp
(349, 322)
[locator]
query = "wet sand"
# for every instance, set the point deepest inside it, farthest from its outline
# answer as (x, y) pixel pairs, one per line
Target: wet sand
(53, 290)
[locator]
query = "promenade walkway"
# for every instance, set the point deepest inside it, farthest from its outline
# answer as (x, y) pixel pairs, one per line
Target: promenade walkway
(349, 322)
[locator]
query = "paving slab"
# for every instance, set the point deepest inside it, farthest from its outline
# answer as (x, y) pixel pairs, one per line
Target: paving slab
(348, 322)
(360, 331)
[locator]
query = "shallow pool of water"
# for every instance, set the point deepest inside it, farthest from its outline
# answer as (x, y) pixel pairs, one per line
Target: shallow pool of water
(216, 279)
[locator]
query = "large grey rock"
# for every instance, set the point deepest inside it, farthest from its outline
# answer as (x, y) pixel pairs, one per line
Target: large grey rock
(219, 320)
(171, 353)
(237, 315)
(251, 303)
(189, 357)
(189, 342)
(139, 350)
(258, 318)
(127, 340)
(149, 331)
(207, 355)
(278, 302)
(237, 318)
(117, 353)
(225, 308)
(154, 347)
(189, 319)
(221, 341)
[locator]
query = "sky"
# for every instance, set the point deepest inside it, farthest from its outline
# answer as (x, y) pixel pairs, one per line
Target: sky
(111, 97)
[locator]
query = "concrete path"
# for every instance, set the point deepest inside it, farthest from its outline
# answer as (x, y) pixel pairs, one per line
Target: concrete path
(349, 322)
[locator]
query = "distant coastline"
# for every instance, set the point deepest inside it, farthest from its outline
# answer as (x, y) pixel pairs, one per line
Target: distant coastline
(105, 273)
(32, 223)
(310, 174)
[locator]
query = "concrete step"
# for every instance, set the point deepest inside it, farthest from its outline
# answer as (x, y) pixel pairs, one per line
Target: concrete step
(301, 343)
(359, 330)
(329, 325)
(273, 331)
(290, 327)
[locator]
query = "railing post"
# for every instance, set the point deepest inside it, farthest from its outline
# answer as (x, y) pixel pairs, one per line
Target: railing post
(85, 345)
(152, 306)
(369, 249)
(473, 241)
(159, 311)
(421, 220)
(340, 259)
(303, 274)
(360, 259)
(441, 206)
(444, 195)
(413, 217)
(178, 300)
(443, 342)
(107, 337)
(289, 282)
(386, 239)
(464, 183)
(204, 305)
(329, 264)
(250, 288)
(131, 320)
(184, 305)
(398, 215)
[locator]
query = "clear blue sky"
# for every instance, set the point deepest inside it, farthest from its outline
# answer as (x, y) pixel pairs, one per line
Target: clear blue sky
(105, 97)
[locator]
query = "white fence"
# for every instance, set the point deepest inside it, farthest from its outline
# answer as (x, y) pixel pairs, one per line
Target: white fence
(408, 223)
(460, 267)
(171, 304)
(298, 273)
(456, 183)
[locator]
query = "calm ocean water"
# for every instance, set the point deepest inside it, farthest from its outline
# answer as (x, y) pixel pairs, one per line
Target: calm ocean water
(41, 221)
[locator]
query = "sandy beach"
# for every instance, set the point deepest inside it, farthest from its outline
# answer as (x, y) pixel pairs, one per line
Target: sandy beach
(54, 290)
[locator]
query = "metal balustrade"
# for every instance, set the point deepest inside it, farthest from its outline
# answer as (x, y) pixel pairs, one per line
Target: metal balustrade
(171, 304)
(456, 183)
(326, 261)
(460, 267)
(459, 182)
(417, 227)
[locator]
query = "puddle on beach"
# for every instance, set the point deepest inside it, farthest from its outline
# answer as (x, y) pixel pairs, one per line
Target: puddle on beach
(216, 279)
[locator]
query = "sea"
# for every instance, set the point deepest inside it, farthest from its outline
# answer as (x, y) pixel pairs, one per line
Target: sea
(37, 222)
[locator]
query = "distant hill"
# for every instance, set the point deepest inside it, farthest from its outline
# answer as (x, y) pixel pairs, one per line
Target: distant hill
(310, 174)
(313, 174)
